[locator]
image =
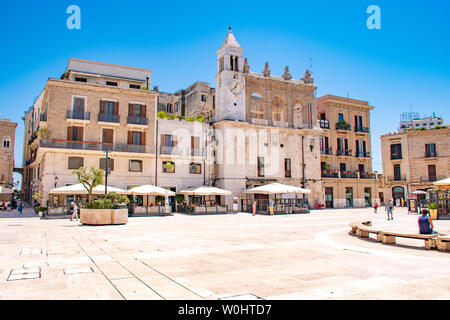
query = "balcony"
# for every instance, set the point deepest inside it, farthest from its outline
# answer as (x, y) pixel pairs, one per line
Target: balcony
(330, 174)
(76, 115)
(344, 153)
(95, 146)
(362, 129)
(396, 178)
(324, 124)
(431, 178)
(364, 175)
(431, 154)
(137, 120)
(303, 126)
(280, 124)
(110, 118)
(342, 125)
(396, 156)
(263, 122)
(349, 175)
(326, 151)
(362, 155)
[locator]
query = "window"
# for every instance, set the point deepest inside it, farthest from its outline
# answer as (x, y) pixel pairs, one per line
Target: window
(6, 142)
(169, 108)
(430, 150)
(203, 98)
(260, 166)
(102, 164)
(397, 172)
(287, 168)
(75, 163)
(176, 107)
(396, 151)
(136, 137)
(75, 133)
(111, 83)
(135, 86)
(109, 108)
(340, 117)
(80, 79)
(78, 105)
(135, 166)
(195, 168)
(168, 167)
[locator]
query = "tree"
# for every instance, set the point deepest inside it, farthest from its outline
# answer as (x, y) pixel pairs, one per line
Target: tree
(89, 179)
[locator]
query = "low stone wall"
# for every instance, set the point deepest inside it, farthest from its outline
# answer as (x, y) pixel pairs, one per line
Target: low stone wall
(103, 216)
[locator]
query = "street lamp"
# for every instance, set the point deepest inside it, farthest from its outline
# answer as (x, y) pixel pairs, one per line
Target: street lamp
(56, 180)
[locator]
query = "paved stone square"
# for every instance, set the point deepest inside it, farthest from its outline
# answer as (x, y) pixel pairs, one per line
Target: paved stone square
(309, 256)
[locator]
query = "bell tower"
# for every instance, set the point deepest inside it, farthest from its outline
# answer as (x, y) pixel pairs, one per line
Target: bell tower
(230, 82)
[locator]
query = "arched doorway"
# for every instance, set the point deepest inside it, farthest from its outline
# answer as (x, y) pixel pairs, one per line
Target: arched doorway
(398, 193)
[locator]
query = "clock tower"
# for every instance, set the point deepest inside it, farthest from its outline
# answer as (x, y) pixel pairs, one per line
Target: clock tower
(230, 82)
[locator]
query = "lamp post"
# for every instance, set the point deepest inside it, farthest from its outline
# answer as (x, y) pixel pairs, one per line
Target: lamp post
(106, 173)
(56, 180)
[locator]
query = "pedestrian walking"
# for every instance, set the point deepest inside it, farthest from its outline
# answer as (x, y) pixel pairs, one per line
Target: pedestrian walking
(254, 207)
(271, 207)
(375, 207)
(74, 212)
(389, 209)
(20, 207)
(403, 202)
(235, 206)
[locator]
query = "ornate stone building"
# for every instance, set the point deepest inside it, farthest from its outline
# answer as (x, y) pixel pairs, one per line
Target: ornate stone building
(265, 126)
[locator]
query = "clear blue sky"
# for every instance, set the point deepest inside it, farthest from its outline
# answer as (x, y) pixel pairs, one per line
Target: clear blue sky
(406, 63)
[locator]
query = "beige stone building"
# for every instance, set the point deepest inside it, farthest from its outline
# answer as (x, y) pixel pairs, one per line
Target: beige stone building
(345, 148)
(7, 140)
(265, 126)
(94, 107)
(413, 160)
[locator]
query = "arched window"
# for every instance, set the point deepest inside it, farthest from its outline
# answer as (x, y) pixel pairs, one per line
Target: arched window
(298, 115)
(256, 107)
(279, 110)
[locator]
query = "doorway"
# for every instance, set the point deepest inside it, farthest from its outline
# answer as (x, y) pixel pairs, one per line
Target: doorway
(328, 197)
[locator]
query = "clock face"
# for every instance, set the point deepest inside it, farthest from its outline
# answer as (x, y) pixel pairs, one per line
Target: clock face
(235, 86)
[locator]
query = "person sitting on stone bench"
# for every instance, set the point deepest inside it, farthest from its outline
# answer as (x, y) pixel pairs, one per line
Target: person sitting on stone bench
(425, 223)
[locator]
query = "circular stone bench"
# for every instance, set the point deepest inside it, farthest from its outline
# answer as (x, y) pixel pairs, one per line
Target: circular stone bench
(103, 216)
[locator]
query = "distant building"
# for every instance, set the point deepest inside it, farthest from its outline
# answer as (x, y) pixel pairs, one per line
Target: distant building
(7, 138)
(412, 120)
(413, 160)
(346, 153)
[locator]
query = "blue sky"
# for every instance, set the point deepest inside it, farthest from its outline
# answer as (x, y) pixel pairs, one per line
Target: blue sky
(404, 64)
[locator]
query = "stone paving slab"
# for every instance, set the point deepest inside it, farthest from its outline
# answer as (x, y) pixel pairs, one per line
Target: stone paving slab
(219, 257)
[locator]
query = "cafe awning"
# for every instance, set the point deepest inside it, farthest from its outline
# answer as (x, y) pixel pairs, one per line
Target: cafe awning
(277, 188)
(443, 184)
(79, 189)
(151, 190)
(206, 191)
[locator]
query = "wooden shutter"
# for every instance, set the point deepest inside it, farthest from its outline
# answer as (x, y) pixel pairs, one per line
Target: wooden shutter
(130, 137)
(108, 135)
(80, 134)
(102, 107)
(144, 111)
(69, 133)
(116, 108)
(143, 138)
(130, 110)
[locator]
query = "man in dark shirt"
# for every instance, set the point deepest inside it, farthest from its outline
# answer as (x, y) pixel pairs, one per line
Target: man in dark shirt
(425, 223)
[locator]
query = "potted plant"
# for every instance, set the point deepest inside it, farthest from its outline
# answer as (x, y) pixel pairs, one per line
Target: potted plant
(433, 210)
